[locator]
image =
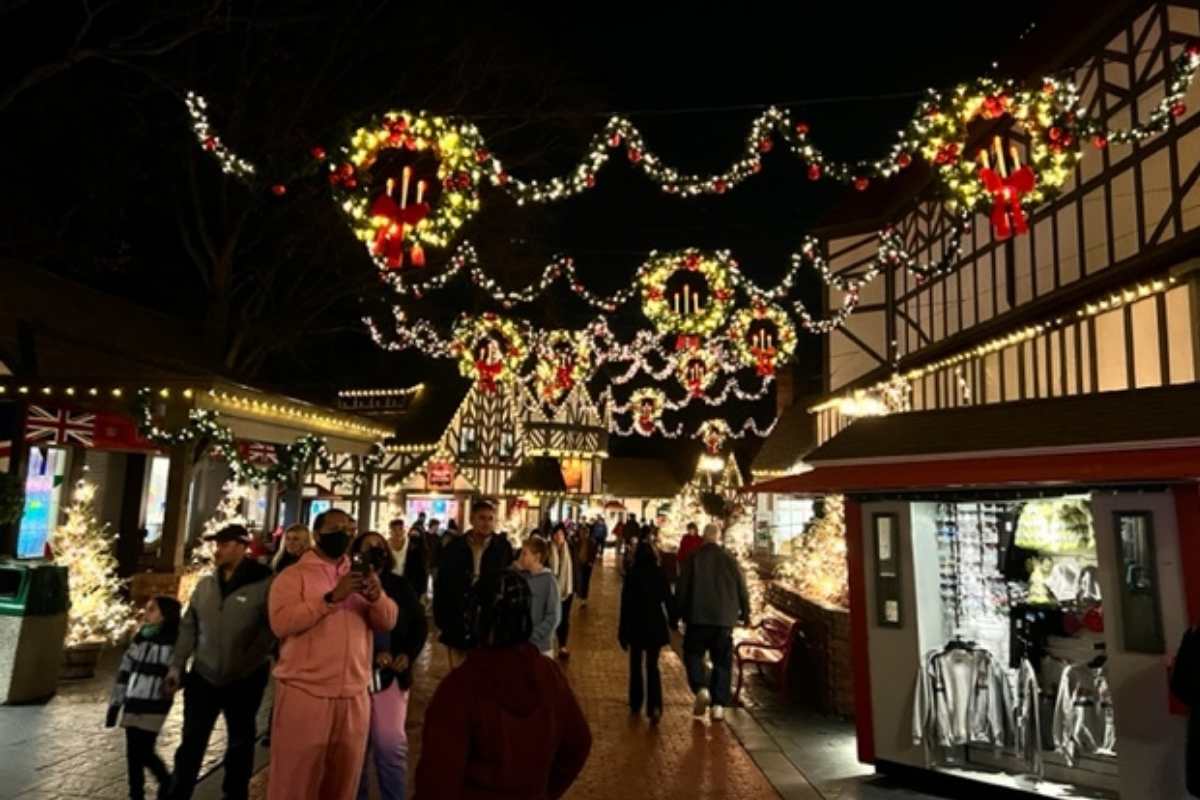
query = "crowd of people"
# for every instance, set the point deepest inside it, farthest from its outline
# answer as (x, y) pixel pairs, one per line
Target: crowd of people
(342, 617)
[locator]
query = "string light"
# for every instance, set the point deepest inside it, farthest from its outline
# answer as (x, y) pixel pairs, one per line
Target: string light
(352, 394)
(231, 163)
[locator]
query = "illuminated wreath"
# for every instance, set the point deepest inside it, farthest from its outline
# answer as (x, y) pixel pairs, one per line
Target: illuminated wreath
(696, 368)
(995, 179)
(687, 292)
(490, 349)
(391, 209)
(564, 359)
(647, 405)
(763, 337)
(713, 433)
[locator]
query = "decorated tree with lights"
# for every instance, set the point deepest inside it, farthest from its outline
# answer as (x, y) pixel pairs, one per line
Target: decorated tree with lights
(229, 512)
(85, 546)
(817, 566)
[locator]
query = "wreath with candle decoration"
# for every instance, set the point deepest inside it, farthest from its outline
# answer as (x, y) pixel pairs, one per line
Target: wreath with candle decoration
(490, 349)
(713, 433)
(697, 368)
(406, 180)
(763, 337)
(1000, 180)
(687, 292)
(564, 359)
(647, 405)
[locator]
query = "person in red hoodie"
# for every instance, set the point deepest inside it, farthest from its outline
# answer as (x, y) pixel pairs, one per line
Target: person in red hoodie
(690, 542)
(505, 725)
(325, 614)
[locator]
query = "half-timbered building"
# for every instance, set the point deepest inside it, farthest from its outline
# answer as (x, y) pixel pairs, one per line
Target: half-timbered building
(1043, 387)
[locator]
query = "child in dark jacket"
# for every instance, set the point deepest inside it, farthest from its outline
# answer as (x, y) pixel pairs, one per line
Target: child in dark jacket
(140, 700)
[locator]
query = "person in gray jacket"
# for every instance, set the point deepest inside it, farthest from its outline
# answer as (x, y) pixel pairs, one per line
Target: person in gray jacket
(227, 635)
(546, 607)
(712, 598)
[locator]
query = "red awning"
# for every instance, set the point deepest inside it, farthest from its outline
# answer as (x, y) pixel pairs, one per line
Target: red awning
(1151, 464)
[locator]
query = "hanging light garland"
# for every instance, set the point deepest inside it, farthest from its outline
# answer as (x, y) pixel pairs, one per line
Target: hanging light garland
(231, 163)
(731, 389)
(291, 460)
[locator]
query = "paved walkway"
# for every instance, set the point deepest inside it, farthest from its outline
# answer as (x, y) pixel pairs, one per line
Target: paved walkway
(679, 758)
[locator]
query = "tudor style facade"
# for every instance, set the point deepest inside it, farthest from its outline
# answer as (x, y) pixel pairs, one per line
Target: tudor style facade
(1100, 295)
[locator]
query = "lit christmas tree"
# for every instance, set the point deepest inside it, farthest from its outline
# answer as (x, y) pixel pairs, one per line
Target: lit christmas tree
(229, 512)
(816, 567)
(85, 546)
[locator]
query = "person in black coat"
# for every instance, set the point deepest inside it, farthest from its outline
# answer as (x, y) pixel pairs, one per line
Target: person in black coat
(648, 615)
(391, 677)
(460, 564)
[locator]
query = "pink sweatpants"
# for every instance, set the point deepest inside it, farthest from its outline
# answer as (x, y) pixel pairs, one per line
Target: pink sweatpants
(317, 745)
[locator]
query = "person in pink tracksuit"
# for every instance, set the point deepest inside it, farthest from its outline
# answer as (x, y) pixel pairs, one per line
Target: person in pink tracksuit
(324, 614)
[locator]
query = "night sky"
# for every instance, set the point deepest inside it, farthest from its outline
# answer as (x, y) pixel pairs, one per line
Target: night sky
(105, 183)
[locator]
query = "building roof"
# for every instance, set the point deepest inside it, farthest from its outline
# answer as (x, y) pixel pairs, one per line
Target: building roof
(541, 474)
(1093, 420)
(794, 435)
(1113, 437)
(430, 412)
(640, 477)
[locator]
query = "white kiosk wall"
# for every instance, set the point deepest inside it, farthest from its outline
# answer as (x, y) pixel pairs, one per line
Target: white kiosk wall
(894, 651)
(1150, 741)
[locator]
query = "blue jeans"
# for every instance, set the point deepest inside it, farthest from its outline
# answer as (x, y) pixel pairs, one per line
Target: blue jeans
(388, 744)
(717, 642)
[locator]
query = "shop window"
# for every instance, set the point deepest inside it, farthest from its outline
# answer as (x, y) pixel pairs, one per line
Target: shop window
(155, 508)
(1141, 628)
(886, 529)
(468, 441)
(43, 498)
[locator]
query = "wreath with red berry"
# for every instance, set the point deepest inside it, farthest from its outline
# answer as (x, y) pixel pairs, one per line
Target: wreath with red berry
(763, 337)
(490, 349)
(407, 180)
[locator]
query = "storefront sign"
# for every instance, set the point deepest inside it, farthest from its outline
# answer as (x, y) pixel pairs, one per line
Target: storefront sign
(440, 475)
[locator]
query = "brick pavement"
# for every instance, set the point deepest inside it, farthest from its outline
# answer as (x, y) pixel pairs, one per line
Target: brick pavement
(62, 750)
(678, 758)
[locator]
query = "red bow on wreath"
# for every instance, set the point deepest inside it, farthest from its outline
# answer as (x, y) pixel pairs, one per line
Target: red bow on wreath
(389, 241)
(1007, 215)
(685, 342)
(646, 423)
(764, 361)
(488, 372)
(563, 379)
(695, 386)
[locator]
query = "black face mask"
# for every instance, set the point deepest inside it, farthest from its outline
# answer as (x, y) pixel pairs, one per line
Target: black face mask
(334, 544)
(376, 558)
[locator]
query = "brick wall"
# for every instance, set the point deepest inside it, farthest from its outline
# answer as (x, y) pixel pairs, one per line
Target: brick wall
(822, 673)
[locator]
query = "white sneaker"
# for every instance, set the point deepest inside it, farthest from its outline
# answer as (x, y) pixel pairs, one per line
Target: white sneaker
(718, 713)
(703, 698)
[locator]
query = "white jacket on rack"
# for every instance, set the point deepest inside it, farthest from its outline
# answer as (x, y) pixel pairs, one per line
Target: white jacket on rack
(1083, 715)
(1027, 724)
(962, 698)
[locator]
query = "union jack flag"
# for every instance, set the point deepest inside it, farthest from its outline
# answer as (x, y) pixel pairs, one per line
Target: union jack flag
(59, 426)
(259, 453)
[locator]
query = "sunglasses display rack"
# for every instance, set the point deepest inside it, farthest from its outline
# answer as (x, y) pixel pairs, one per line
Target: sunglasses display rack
(973, 589)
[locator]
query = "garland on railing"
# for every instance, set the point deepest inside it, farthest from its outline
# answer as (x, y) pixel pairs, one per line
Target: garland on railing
(293, 460)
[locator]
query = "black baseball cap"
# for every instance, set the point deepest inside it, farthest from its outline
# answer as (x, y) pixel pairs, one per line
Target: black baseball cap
(230, 533)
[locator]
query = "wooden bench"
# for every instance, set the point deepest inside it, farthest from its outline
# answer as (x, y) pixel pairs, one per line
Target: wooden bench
(772, 645)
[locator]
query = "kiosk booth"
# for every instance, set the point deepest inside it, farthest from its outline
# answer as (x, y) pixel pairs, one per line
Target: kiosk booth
(1020, 576)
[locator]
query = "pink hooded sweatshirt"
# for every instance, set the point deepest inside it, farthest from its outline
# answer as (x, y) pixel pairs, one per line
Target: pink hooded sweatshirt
(325, 650)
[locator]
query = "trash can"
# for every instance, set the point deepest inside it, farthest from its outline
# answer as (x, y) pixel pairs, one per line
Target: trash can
(33, 625)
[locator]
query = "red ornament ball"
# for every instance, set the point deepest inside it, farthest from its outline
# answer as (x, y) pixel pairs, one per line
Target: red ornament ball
(635, 155)
(346, 169)
(814, 172)
(590, 181)
(903, 160)
(1100, 142)
(318, 153)
(1055, 134)
(614, 140)
(482, 155)
(720, 187)
(861, 184)
(279, 190)
(210, 143)
(1179, 109)
(765, 145)
(802, 129)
